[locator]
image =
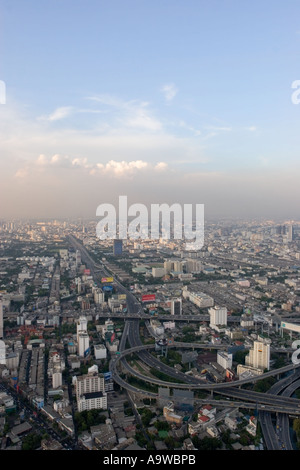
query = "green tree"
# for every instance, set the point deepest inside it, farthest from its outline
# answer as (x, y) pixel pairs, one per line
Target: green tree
(32, 441)
(162, 426)
(264, 384)
(140, 438)
(296, 426)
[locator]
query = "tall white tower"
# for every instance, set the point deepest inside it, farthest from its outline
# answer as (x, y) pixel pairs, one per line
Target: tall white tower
(81, 326)
(83, 344)
(57, 379)
(290, 233)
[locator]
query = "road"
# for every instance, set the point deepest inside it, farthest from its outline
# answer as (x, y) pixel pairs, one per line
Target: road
(264, 403)
(39, 422)
(284, 435)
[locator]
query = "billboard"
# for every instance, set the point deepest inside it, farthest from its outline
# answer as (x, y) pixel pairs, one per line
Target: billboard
(107, 288)
(121, 296)
(107, 375)
(107, 279)
(148, 298)
(112, 338)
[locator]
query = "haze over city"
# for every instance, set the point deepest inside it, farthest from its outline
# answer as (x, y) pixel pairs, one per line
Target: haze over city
(175, 102)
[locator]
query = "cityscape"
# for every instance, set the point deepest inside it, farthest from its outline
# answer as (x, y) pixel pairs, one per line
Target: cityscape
(149, 229)
(142, 345)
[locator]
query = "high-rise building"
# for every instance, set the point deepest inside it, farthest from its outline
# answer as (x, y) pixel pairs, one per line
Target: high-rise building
(290, 233)
(169, 266)
(99, 296)
(178, 266)
(78, 259)
(91, 382)
(224, 359)
(193, 266)
(173, 265)
(57, 379)
(280, 230)
(1, 318)
(118, 247)
(176, 307)
(100, 351)
(259, 355)
(218, 316)
(83, 345)
(90, 391)
(83, 340)
(2, 352)
(81, 326)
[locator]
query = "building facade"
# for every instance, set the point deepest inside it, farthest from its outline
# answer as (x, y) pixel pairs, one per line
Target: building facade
(259, 355)
(90, 392)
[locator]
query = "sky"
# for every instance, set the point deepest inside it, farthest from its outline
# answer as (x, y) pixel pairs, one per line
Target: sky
(166, 101)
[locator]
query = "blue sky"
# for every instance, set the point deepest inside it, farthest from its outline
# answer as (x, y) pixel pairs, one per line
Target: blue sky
(150, 94)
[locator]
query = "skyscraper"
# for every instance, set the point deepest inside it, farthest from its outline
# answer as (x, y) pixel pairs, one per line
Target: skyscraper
(176, 307)
(259, 355)
(290, 233)
(118, 247)
(2, 344)
(78, 259)
(1, 318)
(218, 316)
(90, 391)
(82, 337)
(83, 344)
(81, 325)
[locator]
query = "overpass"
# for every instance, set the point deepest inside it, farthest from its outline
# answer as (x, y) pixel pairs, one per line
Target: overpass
(273, 402)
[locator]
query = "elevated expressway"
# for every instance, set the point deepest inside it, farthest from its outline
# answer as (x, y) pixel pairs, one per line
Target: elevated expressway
(229, 389)
(263, 402)
(283, 425)
(280, 437)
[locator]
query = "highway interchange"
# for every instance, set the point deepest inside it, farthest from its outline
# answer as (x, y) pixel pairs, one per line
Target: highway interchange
(278, 399)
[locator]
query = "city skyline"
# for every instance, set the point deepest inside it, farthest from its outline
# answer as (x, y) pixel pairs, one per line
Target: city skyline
(149, 227)
(184, 324)
(174, 103)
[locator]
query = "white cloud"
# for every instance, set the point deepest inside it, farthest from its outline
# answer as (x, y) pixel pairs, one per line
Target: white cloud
(42, 160)
(124, 168)
(58, 114)
(112, 168)
(132, 114)
(184, 125)
(170, 91)
(130, 141)
(161, 166)
(219, 128)
(108, 100)
(21, 173)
